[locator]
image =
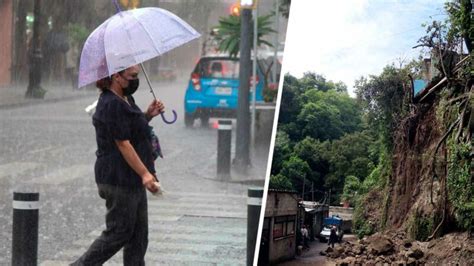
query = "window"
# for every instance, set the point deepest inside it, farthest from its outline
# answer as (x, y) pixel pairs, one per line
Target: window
(218, 68)
(284, 226)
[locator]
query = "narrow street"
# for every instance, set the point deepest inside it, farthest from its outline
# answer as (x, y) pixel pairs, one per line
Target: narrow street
(50, 148)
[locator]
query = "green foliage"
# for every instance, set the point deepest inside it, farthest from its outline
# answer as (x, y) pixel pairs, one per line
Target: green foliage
(295, 168)
(281, 151)
(319, 135)
(379, 175)
(361, 225)
(290, 103)
(328, 115)
(420, 227)
(461, 21)
(315, 154)
(77, 33)
(382, 98)
(460, 183)
(228, 33)
(350, 155)
(351, 188)
(376, 180)
(280, 182)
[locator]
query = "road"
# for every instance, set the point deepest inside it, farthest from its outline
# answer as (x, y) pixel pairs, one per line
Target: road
(49, 148)
(313, 256)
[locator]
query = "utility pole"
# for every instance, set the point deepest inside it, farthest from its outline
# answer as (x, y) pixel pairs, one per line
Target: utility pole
(304, 181)
(254, 73)
(275, 41)
(34, 87)
(242, 156)
(329, 201)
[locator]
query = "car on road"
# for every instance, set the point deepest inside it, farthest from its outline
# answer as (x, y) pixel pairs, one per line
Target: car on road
(213, 89)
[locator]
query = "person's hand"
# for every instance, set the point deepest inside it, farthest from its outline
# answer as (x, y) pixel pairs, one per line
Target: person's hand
(155, 108)
(149, 181)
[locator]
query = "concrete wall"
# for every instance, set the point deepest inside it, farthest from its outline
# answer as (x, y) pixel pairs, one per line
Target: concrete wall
(6, 19)
(281, 204)
(282, 249)
(346, 215)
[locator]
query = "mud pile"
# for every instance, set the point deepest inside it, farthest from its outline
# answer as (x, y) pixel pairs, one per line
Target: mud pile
(394, 248)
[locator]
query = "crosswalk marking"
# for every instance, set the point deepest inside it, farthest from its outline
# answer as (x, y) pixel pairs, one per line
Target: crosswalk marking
(184, 232)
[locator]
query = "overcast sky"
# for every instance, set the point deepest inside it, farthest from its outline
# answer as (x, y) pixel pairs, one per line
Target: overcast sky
(346, 39)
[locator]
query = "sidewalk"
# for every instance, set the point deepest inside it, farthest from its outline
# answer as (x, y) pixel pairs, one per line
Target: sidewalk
(14, 95)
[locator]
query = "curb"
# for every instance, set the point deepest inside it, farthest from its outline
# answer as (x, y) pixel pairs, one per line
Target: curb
(42, 101)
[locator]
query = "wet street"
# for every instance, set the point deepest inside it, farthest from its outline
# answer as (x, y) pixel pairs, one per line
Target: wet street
(50, 148)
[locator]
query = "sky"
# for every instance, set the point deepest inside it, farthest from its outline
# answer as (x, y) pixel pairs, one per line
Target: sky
(346, 39)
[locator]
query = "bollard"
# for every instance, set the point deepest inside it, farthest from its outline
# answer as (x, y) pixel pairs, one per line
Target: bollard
(224, 138)
(254, 207)
(25, 228)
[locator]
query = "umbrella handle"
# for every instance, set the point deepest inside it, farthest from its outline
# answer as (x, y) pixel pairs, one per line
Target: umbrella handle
(117, 6)
(172, 121)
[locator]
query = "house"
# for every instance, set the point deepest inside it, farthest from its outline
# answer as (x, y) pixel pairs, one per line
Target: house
(278, 242)
(432, 78)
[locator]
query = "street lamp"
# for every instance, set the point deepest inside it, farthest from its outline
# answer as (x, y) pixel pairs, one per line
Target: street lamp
(247, 4)
(242, 156)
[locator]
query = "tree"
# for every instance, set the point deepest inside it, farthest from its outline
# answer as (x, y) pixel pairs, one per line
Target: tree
(296, 170)
(352, 186)
(315, 154)
(280, 182)
(328, 115)
(228, 33)
(383, 99)
(281, 151)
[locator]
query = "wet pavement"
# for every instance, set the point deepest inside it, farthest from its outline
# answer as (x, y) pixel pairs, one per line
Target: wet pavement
(48, 147)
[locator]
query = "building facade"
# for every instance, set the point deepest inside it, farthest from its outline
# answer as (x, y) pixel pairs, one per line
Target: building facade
(278, 242)
(6, 33)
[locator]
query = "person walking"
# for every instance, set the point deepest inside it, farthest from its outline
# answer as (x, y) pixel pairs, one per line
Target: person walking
(332, 237)
(124, 169)
(305, 236)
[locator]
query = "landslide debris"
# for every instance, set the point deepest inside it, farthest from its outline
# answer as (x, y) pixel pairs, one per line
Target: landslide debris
(395, 248)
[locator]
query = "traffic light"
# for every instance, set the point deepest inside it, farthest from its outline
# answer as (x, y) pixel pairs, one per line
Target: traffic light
(235, 9)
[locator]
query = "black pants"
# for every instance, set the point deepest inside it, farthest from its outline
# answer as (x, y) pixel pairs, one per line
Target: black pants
(126, 227)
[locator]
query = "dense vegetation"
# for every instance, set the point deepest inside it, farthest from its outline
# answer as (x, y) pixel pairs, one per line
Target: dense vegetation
(321, 138)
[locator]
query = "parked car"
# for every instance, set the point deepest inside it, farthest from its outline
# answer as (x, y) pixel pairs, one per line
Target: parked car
(213, 89)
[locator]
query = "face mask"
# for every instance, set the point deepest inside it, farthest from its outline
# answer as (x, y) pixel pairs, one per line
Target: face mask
(132, 87)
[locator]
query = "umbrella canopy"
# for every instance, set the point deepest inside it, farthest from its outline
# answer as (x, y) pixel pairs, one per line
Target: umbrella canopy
(130, 38)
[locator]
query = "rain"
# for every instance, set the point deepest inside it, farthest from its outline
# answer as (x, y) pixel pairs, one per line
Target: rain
(48, 141)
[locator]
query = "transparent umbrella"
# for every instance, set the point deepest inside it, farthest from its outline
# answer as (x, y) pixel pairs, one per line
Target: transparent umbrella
(129, 38)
